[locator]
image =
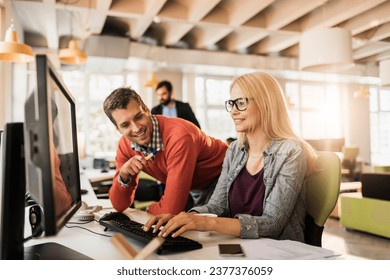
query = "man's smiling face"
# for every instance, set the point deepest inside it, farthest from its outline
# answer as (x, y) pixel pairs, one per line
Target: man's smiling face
(134, 123)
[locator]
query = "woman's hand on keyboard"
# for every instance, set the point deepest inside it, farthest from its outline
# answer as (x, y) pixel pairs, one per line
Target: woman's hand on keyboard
(156, 222)
(183, 222)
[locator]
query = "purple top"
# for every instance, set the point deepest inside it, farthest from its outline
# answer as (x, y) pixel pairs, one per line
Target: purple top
(246, 195)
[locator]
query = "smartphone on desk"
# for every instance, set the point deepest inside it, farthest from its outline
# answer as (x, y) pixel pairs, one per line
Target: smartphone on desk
(230, 250)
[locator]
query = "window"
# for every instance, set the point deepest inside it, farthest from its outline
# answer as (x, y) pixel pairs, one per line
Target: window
(379, 124)
(315, 110)
(211, 94)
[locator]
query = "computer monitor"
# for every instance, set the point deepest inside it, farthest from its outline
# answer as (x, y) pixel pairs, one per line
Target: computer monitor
(12, 191)
(52, 167)
(51, 163)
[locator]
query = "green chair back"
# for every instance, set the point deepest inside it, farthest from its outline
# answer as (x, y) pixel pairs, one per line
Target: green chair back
(381, 168)
(322, 192)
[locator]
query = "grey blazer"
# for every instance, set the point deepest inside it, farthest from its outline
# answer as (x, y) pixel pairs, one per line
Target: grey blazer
(284, 209)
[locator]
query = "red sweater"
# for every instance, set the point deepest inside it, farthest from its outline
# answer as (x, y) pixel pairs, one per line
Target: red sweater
(190, 160)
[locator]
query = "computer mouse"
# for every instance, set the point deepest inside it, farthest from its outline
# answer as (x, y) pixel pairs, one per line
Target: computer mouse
(114, 216)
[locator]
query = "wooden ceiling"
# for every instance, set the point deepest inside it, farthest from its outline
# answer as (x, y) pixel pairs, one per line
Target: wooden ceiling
(265, 28)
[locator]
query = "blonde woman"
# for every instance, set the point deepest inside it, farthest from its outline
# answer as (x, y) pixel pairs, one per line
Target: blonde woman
(261, 191)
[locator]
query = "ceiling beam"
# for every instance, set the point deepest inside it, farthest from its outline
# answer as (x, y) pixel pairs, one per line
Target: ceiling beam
(285, 12)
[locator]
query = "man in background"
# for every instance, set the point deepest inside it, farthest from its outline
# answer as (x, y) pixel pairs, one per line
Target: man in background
(170, 107)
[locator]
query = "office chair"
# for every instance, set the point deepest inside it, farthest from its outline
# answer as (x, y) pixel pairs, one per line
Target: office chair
(148, 188)
(322, 192)
(350, 154)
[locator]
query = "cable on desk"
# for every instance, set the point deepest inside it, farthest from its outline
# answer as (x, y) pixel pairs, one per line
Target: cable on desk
(102, 234)
(79, 223)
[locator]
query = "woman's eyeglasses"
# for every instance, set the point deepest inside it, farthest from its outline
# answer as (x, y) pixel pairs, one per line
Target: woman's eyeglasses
(241, 104)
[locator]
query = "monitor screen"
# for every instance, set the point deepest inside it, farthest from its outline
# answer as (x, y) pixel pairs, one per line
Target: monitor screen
(52, 166)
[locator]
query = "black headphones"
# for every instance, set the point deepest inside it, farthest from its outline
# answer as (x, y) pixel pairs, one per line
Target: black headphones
(35, 216)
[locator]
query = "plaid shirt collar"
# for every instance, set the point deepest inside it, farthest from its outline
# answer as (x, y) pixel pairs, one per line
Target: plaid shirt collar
(156, 141)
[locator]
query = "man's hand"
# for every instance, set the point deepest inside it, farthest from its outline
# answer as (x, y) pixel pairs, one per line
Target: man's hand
(132, 167)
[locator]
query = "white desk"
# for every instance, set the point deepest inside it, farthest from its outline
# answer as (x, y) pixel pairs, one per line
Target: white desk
(101, 247)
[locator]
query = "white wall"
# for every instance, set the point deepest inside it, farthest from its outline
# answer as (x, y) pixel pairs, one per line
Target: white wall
(5, 93)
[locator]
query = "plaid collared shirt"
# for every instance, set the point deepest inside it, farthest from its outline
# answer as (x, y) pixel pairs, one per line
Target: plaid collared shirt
(156, 141)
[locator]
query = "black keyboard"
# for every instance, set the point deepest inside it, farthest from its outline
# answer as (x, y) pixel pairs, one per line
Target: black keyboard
(133, 229)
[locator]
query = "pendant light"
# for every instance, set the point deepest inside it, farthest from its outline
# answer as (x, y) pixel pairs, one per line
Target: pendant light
(13, 51)
(325, 50)
(363, 92)
(153, 81)
(72, 54)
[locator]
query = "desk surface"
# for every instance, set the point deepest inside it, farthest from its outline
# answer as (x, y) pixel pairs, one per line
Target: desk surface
(350, 186)
(91, 240)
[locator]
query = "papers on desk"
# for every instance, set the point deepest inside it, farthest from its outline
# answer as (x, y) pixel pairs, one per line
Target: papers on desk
(264, 249)
(286, 250)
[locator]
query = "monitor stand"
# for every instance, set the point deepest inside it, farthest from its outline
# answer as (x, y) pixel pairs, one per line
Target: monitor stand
(52, 251)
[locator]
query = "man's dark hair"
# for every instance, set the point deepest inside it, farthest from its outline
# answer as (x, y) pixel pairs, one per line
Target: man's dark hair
(119, 99)
(166, 84)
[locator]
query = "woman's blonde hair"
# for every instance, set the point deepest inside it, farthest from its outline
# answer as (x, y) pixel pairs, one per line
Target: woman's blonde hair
(265, 93)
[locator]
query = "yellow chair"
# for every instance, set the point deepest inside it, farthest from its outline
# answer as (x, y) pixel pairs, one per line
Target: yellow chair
(381, 168)
(322, 192)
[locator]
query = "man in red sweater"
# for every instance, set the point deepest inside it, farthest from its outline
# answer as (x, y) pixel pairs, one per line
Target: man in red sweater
(188, 160)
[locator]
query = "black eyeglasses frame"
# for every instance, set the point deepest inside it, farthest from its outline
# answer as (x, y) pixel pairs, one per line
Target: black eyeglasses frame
(233, 103)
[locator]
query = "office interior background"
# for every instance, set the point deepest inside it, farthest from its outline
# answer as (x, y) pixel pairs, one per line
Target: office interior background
(200, 46)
